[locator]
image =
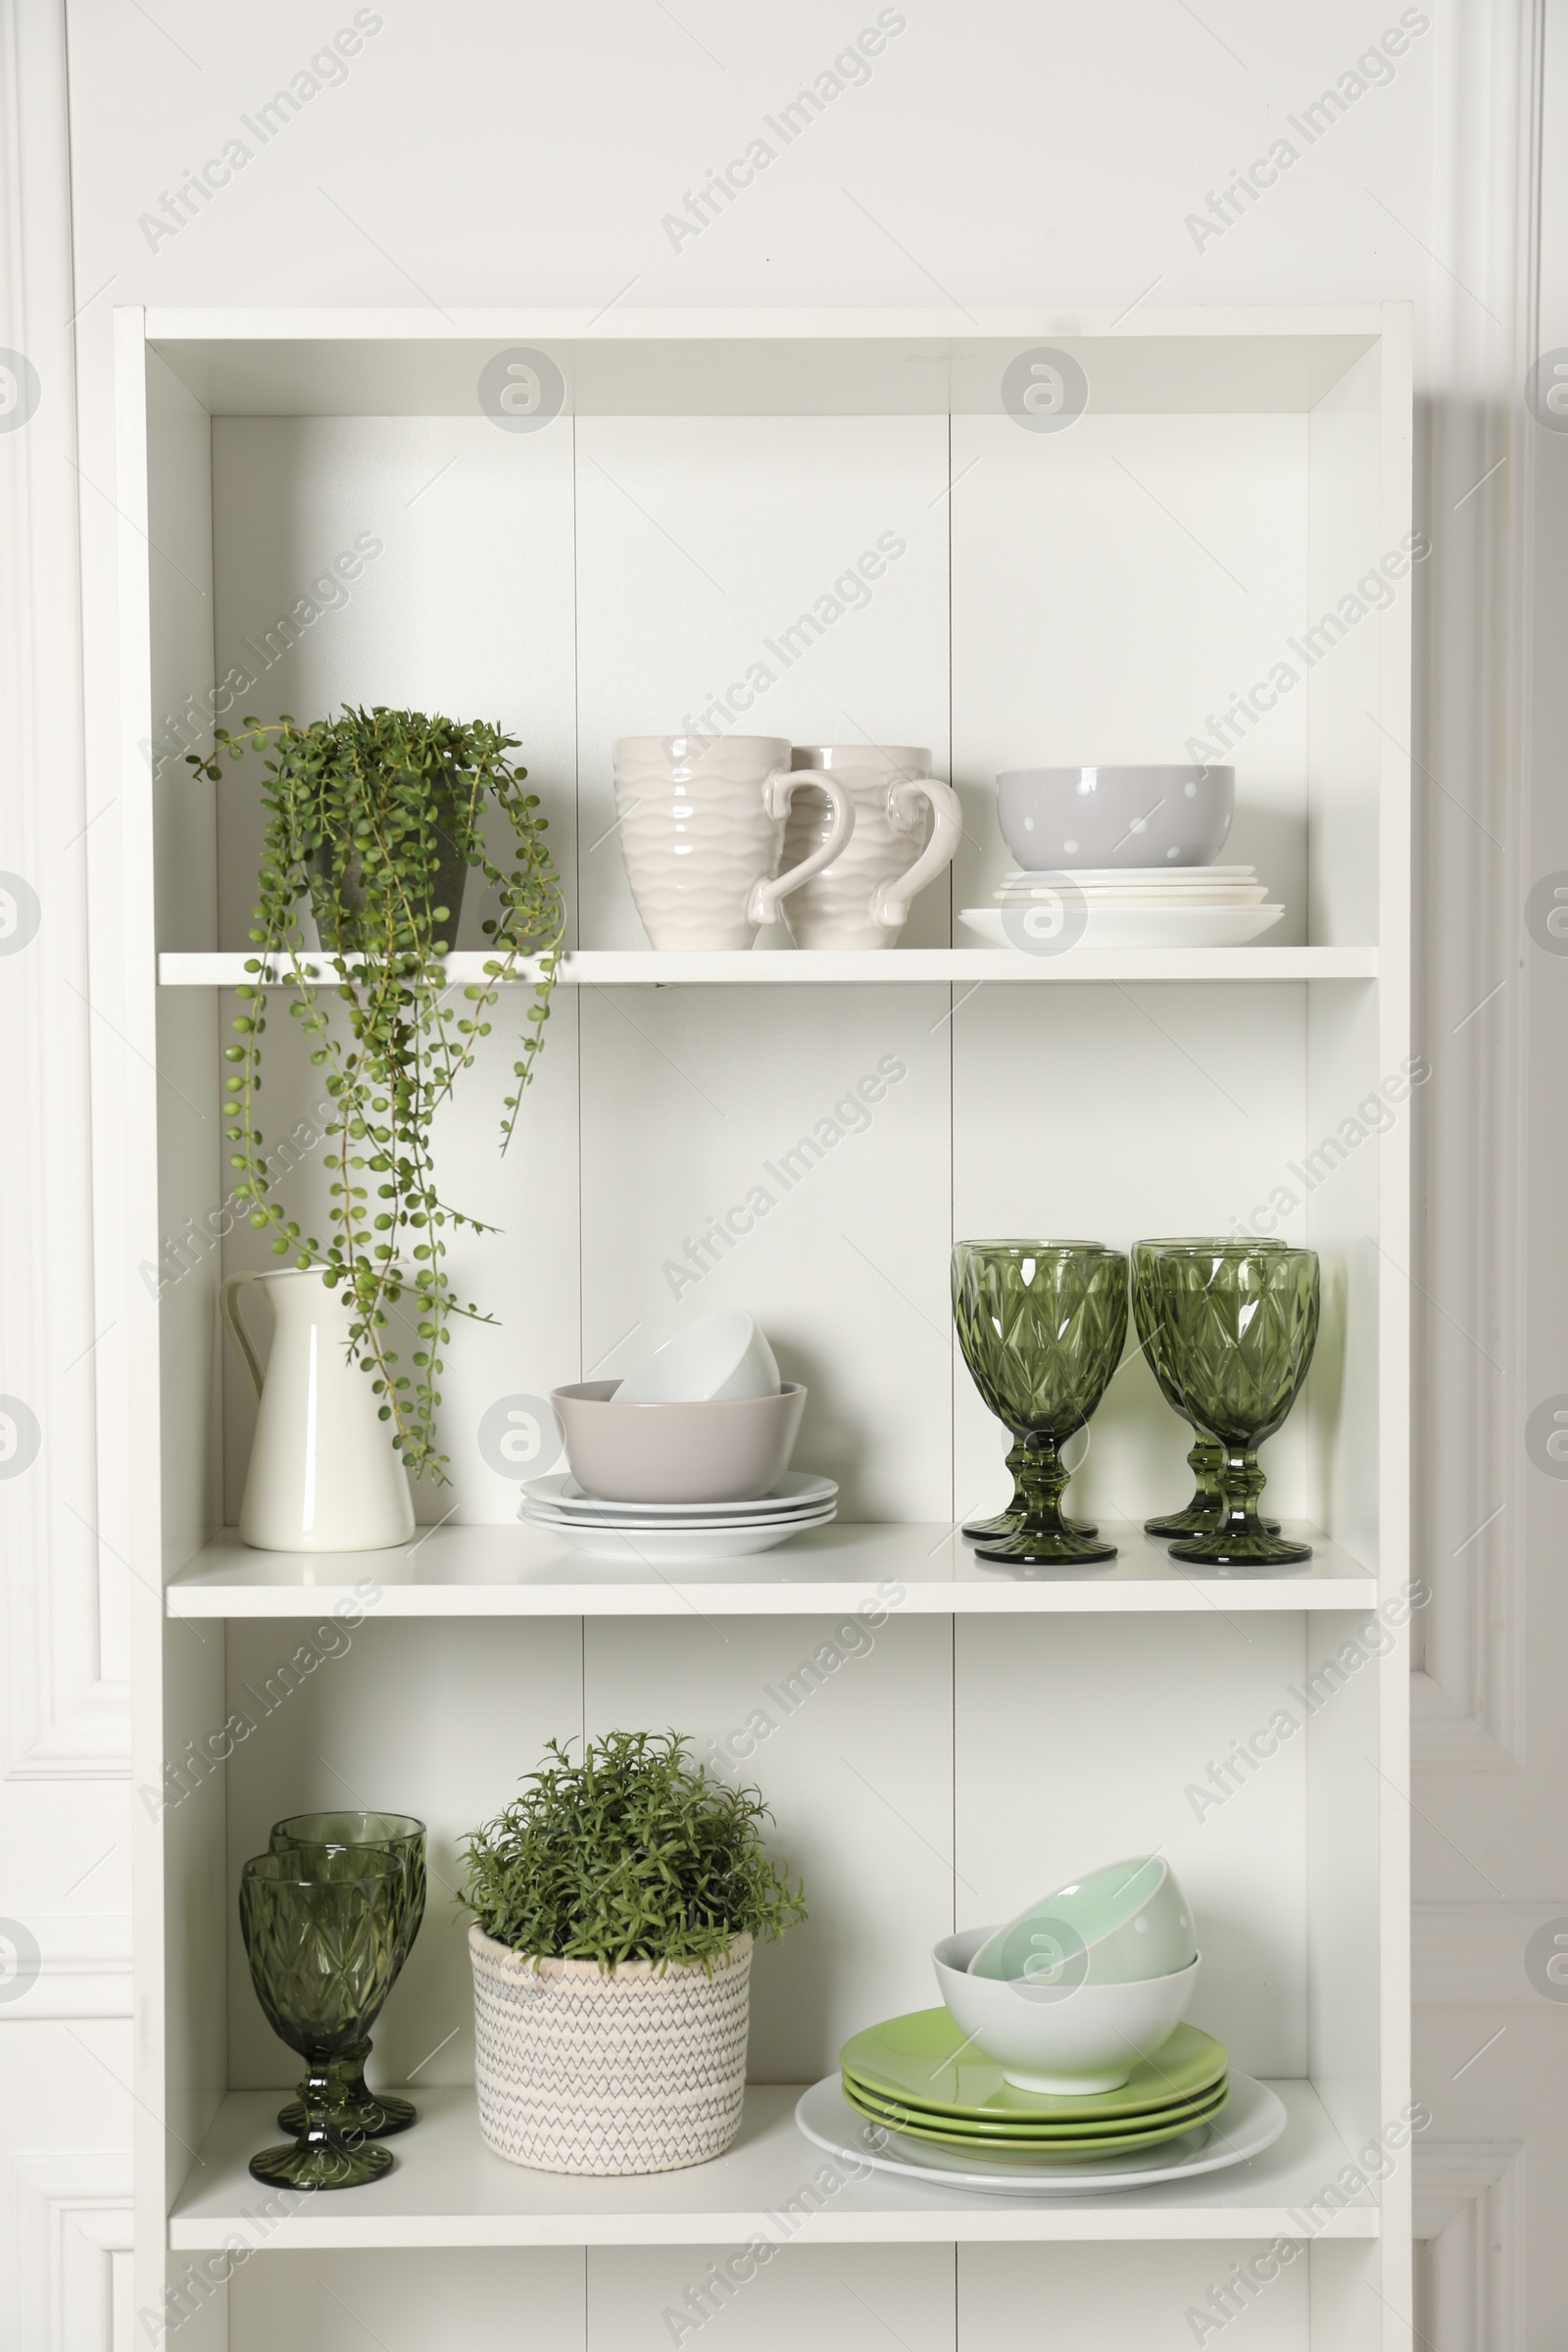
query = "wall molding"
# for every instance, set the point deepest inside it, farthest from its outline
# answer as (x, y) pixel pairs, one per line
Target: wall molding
(70, 2226)
(64, 1585)
(1472, 754)
(84, 1967)
(1469, 2226)
(1473, 1954)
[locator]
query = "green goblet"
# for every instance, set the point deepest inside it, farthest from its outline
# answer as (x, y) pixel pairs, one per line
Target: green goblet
(1238, 1324)
(321, 1930)
(1205, 1459)
(356, 2107)
(1042, 1326)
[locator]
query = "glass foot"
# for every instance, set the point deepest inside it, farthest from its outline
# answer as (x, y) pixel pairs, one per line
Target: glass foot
(1008, 1522)
(370, 2117)
(1044, 1548)
(1195, 1521)
(1230, 1547)
(319, 2163)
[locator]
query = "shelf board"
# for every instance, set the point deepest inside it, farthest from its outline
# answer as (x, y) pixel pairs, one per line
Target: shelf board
(448, 2190)
(514, 1571)
(800, 968)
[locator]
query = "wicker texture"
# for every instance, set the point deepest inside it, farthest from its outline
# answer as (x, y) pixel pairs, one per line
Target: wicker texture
(630, 2071)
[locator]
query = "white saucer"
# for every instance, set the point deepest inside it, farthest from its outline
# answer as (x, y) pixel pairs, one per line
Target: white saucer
(663, 1545)
(797, 1491)
(1252, 2119)
(1180, 876)
(1142, 926)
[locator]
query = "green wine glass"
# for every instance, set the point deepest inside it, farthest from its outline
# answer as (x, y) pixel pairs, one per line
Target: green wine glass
(356, 2107)
(321, 1930)
(1239, 1325)
(1042, 1326)
(1205, 1459)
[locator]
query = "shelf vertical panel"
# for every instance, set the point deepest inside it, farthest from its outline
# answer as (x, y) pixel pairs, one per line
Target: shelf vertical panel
(1065, 1762)
(1108, 1114)
(171, 1187)
(1115, 585)
(846, 1723)
(782, 576)
(422, 563)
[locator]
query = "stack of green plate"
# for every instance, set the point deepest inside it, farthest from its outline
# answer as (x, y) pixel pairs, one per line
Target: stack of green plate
(918, 2076)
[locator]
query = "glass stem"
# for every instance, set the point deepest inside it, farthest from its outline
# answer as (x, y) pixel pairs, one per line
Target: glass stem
(1203, 1461)
(1042, 1482)
(1242, 1485)
(319, 2094)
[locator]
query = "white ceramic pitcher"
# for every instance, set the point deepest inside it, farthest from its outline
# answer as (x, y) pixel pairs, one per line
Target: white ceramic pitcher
(323, 1473)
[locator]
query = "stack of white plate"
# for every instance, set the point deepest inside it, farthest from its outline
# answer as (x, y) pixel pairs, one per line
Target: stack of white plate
(678, 1530)
(1128, 906)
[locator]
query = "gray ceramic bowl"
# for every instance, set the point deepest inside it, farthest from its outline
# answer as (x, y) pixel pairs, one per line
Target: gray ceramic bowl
(727, 1450)
(1055, 817)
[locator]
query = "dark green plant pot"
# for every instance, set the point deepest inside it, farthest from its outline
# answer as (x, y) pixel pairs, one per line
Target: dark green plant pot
(348, 936)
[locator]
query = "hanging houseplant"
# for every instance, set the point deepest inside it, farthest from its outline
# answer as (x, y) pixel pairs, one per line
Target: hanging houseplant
(373, 819)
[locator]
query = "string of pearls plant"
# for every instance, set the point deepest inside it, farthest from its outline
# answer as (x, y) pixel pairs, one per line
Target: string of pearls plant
(373, 818)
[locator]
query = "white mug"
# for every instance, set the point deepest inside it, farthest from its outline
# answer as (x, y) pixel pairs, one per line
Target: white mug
(860, 897)
(701, 827)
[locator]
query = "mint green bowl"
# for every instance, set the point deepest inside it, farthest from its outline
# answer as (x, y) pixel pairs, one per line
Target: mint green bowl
(1119, 1926)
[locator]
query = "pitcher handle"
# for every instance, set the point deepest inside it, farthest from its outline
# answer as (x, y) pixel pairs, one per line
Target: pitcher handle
(236, 1329)
(767, 897)
(891, 900)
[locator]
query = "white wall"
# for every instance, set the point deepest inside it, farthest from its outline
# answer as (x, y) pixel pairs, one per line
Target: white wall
(1001, 150)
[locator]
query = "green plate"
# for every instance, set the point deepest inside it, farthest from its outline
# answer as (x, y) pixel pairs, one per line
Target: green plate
(900, 2114)
(924, 2060)
(1055, 2151)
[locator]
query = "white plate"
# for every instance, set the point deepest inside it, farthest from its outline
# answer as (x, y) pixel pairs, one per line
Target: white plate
(1145, 926)
(1252, 2119)
(544, 1514)
(663, 1544)
(1193, 875)
(1234, 893)
(797, 1489)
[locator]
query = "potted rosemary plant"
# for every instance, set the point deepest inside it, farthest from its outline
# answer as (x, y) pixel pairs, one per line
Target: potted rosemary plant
(615, 1905)
(374, 821)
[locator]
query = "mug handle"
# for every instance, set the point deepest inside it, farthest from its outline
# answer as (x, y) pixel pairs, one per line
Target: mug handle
(767, 897)
(891, 900)
(228, 1308)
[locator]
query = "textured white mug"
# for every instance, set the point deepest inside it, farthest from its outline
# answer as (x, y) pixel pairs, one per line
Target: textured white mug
(701, 827)
(861, 897)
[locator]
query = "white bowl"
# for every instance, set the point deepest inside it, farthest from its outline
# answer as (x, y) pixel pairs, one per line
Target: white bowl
(1068, 2038)
(1066, 816)
(718, 1356)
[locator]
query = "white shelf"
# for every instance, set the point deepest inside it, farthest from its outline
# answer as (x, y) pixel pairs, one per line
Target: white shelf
(525, 1572)
(800, 968)
(446, 2189)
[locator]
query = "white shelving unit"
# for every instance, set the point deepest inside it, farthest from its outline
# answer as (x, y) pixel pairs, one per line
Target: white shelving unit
(939, 1738)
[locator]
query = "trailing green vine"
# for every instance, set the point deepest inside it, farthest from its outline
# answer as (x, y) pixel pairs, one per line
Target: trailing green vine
(373, 818)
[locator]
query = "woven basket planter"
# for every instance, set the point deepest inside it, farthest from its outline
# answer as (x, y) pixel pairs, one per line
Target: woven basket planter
(636, 2071)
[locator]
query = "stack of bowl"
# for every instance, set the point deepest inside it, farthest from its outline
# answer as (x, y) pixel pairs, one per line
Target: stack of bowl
(687, 1458)
(1061, 2036)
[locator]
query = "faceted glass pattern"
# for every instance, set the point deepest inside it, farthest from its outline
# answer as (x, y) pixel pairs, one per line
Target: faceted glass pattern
(1042, 1326)
(1205, 1459)
(1239, 1326)
(320, 1933)
(356, 2107)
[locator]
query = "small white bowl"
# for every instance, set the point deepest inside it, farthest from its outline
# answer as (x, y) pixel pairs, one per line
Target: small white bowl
(718, 1356)
(1060, 2037)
